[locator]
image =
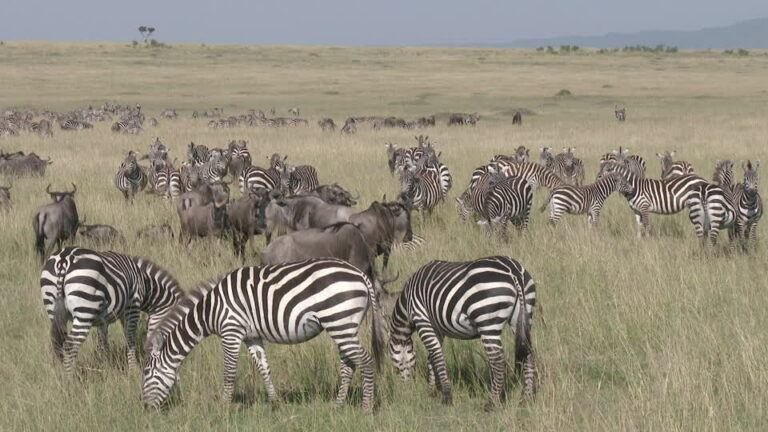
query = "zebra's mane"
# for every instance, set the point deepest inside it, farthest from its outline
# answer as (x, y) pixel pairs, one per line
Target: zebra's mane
(174, 315)
(721, 175)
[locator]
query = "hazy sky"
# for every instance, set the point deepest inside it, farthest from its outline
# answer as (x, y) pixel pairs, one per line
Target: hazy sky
(346, 22)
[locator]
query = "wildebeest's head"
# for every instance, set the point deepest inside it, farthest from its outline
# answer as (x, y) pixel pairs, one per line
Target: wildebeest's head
(60, 196)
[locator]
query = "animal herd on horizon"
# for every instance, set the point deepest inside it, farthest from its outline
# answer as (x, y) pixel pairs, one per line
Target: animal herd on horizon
(317, 272)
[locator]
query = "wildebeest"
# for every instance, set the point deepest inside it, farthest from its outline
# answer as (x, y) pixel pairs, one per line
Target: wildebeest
(100, 234)
(5, 199)
(19, 164)
(302, 212)
(155, 233)
(463, 119)
(326, 124)
(246, 218)
(384, 225)
(294, 111)
(201, 216)
(55, 222)
(620, 113)
(335, 194)
(340, 240)
(517, 119)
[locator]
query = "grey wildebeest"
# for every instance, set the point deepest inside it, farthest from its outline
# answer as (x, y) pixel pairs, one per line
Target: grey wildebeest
(285, 215)
(203, 215)
(335, 194)
(457, 119)
(55, 222)
(326, 124)
(98, 234)
(20, 164)
(5, 199)
(246, 218)
(155, 233)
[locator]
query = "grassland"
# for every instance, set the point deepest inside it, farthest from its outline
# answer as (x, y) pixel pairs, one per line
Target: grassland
(637, 335)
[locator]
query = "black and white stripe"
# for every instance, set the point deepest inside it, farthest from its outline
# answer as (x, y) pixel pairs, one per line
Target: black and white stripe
(498, 199)
(421, 189)
(130, 177)
(583, 199)
(748, 203)
(253, 178)
(302, 179)
(168, 182)
(285, 304)
(671, 168)
(466, 300)
(535, 174)
(93, 288)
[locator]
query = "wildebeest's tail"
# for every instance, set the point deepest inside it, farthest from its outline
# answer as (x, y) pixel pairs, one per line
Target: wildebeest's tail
(38, 224)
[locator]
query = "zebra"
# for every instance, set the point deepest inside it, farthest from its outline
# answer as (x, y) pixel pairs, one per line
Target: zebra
(252, 178)
(350, 127)
(621, 114)
(130, 177)
(215, 169)
(535, 174)
(671, 168)
(497, 199)
(73, 124)
(169, 113)
(326, 124)
(197, 154)
(168, 182)
(396, 158)
(421, 189)
(42, 128)
(466, 300)
(584, 199)
(285, 304)
(302, 179)
(635, 163)
(239, 157)
(95, 289)
(573, 167)
(646, 196)
(718, 203)
(430, 163)
(748, 204)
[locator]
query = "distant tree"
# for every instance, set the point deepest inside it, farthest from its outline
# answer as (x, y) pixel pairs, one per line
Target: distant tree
(150, 30)
(143, 31)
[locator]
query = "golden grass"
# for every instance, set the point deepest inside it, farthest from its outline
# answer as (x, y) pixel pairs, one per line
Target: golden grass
(651, 334)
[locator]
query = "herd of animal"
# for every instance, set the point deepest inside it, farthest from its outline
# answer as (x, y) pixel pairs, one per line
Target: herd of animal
(317, 272)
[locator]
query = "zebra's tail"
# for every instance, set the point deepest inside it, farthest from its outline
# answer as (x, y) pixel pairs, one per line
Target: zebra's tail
(377, 327)
(546, 203)
(523, 347)
(39, 226)
(59, 326)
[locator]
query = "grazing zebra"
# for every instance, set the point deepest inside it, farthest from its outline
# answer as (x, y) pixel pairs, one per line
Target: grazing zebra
(466, 300)
(73, 124)
(421, 189)
(130, 177)
(302, 179)
(635, 163)
(294, 111)
(326, 125)
(671, 168)
(127, 127)
(646, 196)
(169, 113)
(584, 199)
(252, 178)
(498, 199)
(285, 304)
(748, 203)
(95, 289)
(535, 174)
(621, 114)
(409, 246)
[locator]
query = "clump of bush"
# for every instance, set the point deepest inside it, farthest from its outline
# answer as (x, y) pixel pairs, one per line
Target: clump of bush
(563, 93)
(740, 52)
(657, 49)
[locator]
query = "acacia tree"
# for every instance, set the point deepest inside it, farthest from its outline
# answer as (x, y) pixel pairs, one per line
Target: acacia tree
(150, 30)
(143, 31)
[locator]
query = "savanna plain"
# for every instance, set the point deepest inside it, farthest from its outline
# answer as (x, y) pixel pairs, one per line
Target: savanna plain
(631, 334)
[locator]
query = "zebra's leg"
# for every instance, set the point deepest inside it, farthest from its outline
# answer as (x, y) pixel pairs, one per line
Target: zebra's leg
(436, 358)
(352, 352)
(495, 352)
(259, 356)
(639, 222)
(130, 322)
(346, 371)
(230, 344)
(75, 339)
(431, 377)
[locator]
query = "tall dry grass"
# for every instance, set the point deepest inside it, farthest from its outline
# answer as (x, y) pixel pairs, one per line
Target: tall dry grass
(651, 334)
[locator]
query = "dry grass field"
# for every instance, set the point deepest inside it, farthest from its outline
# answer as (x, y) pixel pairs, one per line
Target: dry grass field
(652, 334)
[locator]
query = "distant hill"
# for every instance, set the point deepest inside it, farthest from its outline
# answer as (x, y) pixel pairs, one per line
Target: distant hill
(751, 34)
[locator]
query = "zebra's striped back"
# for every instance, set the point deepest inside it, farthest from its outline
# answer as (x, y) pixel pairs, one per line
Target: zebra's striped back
(302, 179)
(535, 174)
(584, 199)
(466, 300)
(97, 288)
(287, 304)
(422, 189)
(253, 178)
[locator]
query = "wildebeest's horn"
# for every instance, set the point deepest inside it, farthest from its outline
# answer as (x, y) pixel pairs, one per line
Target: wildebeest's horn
(74, 189)
(356, 197)
(48, 188)
(384, 281)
